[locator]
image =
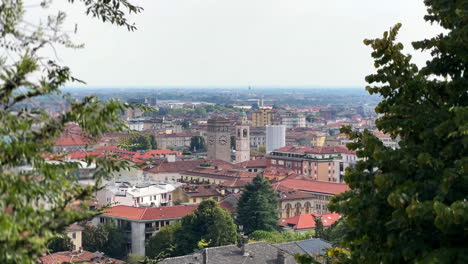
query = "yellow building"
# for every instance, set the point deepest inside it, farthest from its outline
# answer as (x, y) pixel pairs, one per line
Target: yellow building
(195, 194)
(318, 139)
(74, 233)
(263, 117)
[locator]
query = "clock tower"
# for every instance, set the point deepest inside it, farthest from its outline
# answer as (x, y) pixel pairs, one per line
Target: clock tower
(242, 139)
(218, 139)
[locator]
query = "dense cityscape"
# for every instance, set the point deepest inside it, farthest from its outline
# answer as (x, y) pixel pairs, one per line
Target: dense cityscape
(210, 144)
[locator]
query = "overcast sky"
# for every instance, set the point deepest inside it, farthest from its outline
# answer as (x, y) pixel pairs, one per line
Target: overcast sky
(241, 42)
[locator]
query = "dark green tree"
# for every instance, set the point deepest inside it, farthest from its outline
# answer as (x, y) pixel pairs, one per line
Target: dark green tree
(27, 130)
(153, 143)
(116, 242)
(200, 111)
(336, 232)
(197, 144)
(257, 207)
(94, 238)
(209, 224)
(409, 205)
(318, 227)
(60, 243)
(162, 241)
(138, 142)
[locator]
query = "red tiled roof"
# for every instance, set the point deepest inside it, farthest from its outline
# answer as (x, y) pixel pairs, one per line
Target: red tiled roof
(286, 193)
(185, 165)
(315, 186)
(77, 257)
(306, 221)
(315, 150)
(237, 182)
(380, 134)
(74, 227)
(71, 136)
(201, 190)
(150, 213)
(256, 163)
(178, 135)
(227, 206)
(161, 152)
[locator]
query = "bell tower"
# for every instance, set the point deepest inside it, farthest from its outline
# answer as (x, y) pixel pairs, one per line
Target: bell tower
(242, 139)
(218, 139)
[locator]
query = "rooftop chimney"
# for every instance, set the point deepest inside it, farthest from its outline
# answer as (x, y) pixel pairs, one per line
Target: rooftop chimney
(281, 258)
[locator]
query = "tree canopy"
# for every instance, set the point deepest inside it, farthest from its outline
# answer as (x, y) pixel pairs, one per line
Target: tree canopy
(162, 241)
(409, 205)
(197, 144)
(60, 243)
(107, 238)
(40, 202)
(209, 224)
(257, 207)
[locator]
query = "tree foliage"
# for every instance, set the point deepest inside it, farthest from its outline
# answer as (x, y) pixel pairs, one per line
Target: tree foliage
(197, 144)
(162, 241)
(409, 205)
(139, 142)
(116, 243)
(275, 237)
(107, 238)
(257, 207)
(210, 224)
(94, 238)
(60, 243)
(318, 227)
(40, 202)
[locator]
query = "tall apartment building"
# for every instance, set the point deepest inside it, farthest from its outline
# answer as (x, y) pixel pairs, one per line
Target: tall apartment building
(316, 163)
(263, 117)
(275, 137)
(293, 119)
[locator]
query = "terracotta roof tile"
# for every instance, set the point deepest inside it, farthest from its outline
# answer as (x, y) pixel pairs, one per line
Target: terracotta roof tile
(315, 186)
(306, 221)
(150, 213)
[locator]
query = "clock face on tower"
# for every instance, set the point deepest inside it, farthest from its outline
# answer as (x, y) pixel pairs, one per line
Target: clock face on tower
(211, 140)
(223, 140)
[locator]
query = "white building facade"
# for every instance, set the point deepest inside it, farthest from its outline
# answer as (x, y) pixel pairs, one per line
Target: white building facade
(142, 194)
(275, 137)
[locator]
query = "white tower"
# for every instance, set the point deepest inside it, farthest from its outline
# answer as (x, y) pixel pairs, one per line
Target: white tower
(275, 137)
(242, 140)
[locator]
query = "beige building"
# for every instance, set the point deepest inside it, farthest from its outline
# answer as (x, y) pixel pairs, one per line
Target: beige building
(263, 117)
(318, 139)
(242, 140)
(176, 140)
(195, 194)
(219, 139)
(74, 233)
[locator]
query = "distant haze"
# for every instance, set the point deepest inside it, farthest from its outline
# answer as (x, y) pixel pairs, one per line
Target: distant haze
(239, 42)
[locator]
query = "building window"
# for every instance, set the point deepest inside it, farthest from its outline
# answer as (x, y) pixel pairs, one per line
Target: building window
(194, 200)
(288, 210)
(273, 161)
(74, 235)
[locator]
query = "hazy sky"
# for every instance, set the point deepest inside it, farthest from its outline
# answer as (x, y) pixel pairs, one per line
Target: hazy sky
(240, 42)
